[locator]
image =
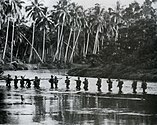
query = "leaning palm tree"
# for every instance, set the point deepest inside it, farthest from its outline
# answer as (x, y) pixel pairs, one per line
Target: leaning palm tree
(61, 11)
(71, 25)
(79, 15)
(45, 24)
(35, 13)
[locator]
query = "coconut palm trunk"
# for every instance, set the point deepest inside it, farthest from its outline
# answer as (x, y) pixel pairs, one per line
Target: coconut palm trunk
(58, 43)
(25, 52)
(12, 41)
(6, 39)
(43, 51)
(87, 44)
(60, 50)
(32, 47)
(84, 45)
(74, 46)
(67, 47)
(31, 52)
(59, 39)
(17, 52)
(96, 41)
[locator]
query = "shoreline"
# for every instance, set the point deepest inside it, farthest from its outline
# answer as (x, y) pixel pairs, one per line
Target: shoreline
(115, 72)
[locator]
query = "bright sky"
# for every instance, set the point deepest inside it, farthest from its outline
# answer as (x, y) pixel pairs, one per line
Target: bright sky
(91, 3)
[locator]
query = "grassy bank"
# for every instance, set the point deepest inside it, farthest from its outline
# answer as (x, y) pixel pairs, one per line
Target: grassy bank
(116, 71)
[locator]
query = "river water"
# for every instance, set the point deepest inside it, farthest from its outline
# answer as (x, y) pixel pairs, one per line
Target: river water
(61, 107)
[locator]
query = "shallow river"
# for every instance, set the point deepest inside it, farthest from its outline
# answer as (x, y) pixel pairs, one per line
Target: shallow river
(47, 106)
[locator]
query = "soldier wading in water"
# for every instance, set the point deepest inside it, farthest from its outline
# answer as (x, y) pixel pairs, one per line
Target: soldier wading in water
(120, 85)
(67, 81)
(78, 84)
(15, 82)
(99, 84)
(8, 80)
(85, 82)
(51, 81)
(134, 86)
(28, 83)
(109, 84)
(22, 82)
(55, 81)
(144, 86)
(36, 82)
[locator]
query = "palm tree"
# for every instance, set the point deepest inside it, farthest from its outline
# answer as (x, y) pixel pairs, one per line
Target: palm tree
(35, 11)
(71, 24)
(45, 23)
(99, 22)
(61, 11)
(88, 30)
(15, 6)
(13, 11)
(4, 3)
(79, 15)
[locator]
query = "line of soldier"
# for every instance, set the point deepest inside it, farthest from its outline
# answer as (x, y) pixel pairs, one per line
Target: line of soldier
(54, 82)
(120, 85)
(109, 81)
(22, 80)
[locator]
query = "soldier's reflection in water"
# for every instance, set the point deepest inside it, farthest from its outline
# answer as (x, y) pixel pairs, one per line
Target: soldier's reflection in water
(61, 114)
(71, 109)
(40, 109)
(5, 117)
(88, 102)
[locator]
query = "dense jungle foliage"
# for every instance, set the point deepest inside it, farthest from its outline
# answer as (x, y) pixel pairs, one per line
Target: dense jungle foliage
(67, 33)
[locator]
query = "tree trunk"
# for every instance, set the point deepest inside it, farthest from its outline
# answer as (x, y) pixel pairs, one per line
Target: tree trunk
(71, 57)
(58, 43)
(60, 50)
(67, 47)
(31, 52)
(98, 47)
(84, 46)
(17, 52)
(32, 47)
(87, 45)
(44, 37)
(74, 39)
(96, 41)
(12, 41)
(102, 42)
(59, 39)
(25, 52)
(6, 40)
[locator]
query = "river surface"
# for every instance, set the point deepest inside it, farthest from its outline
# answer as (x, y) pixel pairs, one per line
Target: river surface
(62, 107)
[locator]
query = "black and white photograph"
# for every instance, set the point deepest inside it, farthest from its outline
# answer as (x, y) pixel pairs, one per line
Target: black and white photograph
(78, 62)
